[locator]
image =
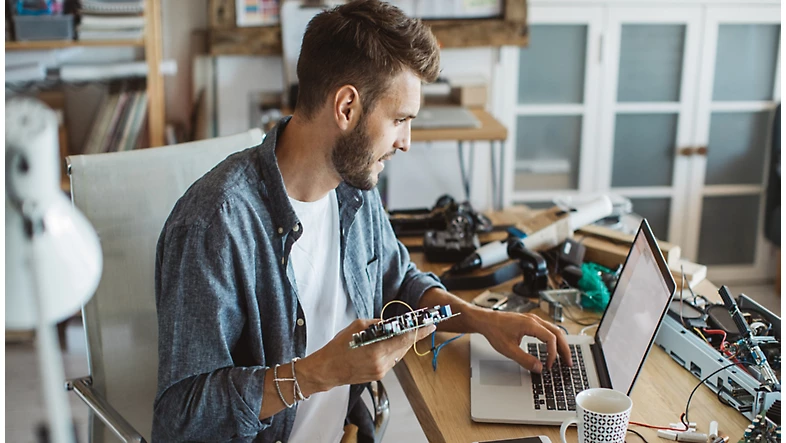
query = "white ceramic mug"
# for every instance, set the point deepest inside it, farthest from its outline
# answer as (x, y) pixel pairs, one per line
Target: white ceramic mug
(602, 415)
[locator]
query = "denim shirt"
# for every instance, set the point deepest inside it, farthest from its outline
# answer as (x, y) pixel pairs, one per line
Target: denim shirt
(227, 300)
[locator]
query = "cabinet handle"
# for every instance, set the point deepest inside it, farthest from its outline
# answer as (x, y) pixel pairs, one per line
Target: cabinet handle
(686, 151)
(701, 150)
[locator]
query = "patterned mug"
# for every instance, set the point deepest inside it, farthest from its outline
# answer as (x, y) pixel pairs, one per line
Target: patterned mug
(602, 415)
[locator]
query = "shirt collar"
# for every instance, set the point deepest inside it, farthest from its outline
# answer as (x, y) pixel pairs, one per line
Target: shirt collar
(284, 215)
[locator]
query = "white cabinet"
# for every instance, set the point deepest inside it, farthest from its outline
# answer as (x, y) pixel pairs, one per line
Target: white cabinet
(666, 103)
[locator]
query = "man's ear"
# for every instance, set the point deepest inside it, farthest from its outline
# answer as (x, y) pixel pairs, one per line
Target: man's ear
(346, 107)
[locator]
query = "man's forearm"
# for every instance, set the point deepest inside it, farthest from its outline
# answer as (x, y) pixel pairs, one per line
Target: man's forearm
(472, 317)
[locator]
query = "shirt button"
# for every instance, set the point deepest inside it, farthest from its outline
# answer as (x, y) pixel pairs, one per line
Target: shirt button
(296, 228)
(300, 322)
(283, 260)
(280, 230)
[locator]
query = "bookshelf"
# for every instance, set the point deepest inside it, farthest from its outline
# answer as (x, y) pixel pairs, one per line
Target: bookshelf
(153, 54)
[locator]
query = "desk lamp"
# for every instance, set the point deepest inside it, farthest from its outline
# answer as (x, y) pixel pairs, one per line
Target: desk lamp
(52, 257)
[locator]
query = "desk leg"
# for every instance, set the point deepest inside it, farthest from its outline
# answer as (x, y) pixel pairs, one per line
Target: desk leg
(464, 178)
(494, 199)
(501, 183)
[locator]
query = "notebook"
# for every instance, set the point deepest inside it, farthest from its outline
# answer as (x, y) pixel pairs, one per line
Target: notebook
(503, 392)
(444, 117)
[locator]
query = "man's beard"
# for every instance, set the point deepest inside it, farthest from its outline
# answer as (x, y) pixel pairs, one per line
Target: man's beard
(353, 158)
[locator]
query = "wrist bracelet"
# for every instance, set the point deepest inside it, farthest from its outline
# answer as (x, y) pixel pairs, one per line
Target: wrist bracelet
(299, 393)
(278, 388)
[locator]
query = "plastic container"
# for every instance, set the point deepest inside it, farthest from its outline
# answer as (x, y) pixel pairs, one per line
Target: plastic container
(44, 27)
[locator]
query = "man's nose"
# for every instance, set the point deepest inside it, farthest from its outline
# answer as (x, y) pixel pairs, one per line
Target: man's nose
(403, 140)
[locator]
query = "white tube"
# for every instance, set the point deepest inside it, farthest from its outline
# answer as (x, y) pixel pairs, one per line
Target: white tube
(713, 430)
(492, 253)
(590, 212)
(696, 437)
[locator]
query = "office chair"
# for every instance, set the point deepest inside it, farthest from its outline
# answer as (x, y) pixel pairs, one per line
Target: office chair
(127, 197)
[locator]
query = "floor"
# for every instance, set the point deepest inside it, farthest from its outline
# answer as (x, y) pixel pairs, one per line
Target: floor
(24, 408)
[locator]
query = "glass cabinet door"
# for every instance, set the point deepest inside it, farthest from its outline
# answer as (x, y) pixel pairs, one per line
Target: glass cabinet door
(737, 97)
(647, 111)
(553, 104)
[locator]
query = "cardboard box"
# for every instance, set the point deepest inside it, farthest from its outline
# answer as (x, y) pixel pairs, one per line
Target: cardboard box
(469, 91)
(469, 96)
(671, 252)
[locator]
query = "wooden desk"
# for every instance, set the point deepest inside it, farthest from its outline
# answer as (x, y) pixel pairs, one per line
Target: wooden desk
(490, 130)
(441, 399)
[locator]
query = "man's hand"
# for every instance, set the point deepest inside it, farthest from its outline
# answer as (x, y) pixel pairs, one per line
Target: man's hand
(337, 364)
(504, 331)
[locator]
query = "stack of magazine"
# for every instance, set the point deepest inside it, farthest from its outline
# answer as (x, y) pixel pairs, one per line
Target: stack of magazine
(111, 20)
(120, 123)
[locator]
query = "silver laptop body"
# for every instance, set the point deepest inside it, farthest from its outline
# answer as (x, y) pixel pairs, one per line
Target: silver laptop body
(503, 392)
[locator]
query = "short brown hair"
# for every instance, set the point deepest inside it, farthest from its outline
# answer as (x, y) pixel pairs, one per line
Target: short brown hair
(364, 43)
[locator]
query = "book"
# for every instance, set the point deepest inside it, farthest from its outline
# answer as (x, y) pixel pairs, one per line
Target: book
(101, 124)
(110, 7)
(108, 22)
(109, 34)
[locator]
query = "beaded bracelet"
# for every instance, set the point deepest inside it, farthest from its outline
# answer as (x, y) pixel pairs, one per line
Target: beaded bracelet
(278, 388)
(299, 393)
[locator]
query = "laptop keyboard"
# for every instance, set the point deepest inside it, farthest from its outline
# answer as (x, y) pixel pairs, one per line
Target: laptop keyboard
(556, 390)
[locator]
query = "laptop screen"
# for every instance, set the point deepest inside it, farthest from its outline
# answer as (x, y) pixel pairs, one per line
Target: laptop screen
(635, 310)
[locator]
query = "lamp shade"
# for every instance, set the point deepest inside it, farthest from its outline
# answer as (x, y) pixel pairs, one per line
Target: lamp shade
(52, 255)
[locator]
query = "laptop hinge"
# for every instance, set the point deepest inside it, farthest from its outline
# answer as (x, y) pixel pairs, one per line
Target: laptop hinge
(600, 366)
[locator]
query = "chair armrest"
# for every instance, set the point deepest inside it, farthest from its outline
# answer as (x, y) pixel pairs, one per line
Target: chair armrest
(122, 428)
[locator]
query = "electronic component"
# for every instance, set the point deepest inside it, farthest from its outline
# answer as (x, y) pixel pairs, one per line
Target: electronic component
(739, 389)
(688, 314)
(401, 324)
(751, 342)
(449, 246)
(502, 302)
(570, 252)
(762, 429)
(551, 306)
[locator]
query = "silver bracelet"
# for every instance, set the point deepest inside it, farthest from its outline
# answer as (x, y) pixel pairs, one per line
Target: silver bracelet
(299, 393)
(278, 388)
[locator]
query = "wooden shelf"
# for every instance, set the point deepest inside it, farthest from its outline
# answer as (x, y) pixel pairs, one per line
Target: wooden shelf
(226, 38)
(61, 44)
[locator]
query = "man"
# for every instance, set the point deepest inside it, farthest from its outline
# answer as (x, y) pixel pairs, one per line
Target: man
(283, 251)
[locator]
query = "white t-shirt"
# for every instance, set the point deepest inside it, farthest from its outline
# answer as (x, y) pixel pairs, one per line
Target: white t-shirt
(316, 259)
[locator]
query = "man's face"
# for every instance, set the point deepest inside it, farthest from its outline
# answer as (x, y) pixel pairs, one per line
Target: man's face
(358, 155)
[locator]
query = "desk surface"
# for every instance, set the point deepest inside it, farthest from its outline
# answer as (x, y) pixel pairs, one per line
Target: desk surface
(490, 129)
(441, 399)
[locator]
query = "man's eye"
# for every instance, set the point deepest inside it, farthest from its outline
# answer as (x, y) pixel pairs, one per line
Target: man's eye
(400, 120)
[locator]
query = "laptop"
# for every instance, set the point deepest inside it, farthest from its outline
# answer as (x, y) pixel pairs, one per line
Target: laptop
(444, 117)
(501, 391)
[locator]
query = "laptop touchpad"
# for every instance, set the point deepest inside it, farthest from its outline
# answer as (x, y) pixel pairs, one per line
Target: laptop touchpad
(500, 373)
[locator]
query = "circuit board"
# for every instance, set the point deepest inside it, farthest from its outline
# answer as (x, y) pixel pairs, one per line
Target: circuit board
(401, 324)
(762, 430)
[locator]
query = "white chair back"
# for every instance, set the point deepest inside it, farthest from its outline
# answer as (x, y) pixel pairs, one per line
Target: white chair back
(127, 196)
